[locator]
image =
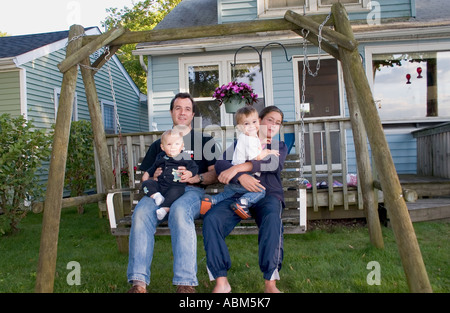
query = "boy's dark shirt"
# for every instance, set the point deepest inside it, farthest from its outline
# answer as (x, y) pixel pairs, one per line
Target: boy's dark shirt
(168, 164)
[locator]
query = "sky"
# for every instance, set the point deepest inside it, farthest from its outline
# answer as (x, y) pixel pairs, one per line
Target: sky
(20, 17)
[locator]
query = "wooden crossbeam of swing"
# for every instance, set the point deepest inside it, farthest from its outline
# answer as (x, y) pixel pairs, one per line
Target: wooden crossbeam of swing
(192, 32)
(99, 42)
(306, 22)
(198, 32)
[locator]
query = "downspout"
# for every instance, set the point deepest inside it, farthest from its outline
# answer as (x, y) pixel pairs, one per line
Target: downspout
(413, 8)
(23, 92)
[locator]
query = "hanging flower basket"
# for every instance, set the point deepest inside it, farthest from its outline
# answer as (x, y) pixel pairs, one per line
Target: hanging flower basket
(233, 104)
(235, 95)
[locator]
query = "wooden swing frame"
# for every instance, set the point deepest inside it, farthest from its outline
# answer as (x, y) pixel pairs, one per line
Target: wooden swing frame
(340, 43)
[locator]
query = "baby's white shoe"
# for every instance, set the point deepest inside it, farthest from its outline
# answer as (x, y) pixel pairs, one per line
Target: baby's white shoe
(161, 213)
(158, 197)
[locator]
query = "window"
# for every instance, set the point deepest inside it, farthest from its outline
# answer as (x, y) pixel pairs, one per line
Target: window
(203, 80)
(272, 8)
(321, 92)
(56, 95)
(250, 73)
(412, 85)
(330, 2)
(109, 121)
(200, 77)
(275, 4)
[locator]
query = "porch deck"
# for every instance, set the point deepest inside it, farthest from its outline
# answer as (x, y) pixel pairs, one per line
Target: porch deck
(433, 193)
(426, 186)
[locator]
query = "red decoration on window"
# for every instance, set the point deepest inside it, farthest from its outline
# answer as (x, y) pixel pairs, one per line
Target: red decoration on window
(419, 71)
(408, 77)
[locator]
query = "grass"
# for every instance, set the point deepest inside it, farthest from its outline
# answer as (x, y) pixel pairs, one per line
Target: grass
(327, 259)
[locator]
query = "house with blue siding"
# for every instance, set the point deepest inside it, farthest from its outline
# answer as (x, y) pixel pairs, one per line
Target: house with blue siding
(404, 46)
(30, 84)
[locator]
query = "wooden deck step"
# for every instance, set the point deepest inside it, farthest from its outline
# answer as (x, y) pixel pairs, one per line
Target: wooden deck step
(429, 209)
(426, 186)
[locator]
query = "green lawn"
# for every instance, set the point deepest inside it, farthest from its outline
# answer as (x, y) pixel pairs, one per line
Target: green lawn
(327, 259)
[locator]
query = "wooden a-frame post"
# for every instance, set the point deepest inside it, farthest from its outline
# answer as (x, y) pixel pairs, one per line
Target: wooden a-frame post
(75, 53)
(98, 131)
(408, 247)
(52, 206)
(362, 109)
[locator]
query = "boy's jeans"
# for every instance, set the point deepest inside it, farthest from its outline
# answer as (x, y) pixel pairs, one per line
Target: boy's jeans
(231, 189)
(181, 217)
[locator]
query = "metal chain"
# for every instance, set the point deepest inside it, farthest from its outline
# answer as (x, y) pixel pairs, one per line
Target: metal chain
(120, 146)
(319, 39)
(113, 94)
(75, 38)
(89, 67)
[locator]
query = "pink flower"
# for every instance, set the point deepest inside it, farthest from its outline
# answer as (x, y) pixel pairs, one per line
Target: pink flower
(233, 89)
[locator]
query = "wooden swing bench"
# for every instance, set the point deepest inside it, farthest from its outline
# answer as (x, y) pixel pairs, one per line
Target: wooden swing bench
(293, 216)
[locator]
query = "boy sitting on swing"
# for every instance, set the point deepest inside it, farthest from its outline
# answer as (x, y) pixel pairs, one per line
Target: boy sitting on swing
(248, 147)
(168, 186)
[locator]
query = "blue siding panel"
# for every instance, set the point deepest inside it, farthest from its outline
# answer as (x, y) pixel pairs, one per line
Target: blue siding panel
(165, 85)
(403, 150)
(247, 10)
(43, 77)
(237, 11)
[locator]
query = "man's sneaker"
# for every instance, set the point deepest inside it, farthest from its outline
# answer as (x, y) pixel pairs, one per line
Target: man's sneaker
(241, 210)
(206, 204)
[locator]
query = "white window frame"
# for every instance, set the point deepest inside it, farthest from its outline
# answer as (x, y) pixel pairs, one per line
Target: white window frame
(109, 103)
(312, 6)
(224, 62)
(369, 51)
(56, 95)
(297, 84)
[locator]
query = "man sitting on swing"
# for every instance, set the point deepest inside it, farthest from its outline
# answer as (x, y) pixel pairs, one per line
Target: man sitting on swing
(182, 213)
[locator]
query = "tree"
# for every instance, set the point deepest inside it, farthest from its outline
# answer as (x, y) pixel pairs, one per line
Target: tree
(144, 15)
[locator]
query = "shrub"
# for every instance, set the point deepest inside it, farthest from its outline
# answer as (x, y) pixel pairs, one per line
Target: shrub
(22, 151)
(80, 166)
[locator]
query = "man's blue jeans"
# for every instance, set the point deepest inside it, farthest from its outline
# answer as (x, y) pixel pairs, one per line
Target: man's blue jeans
(181, 217)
